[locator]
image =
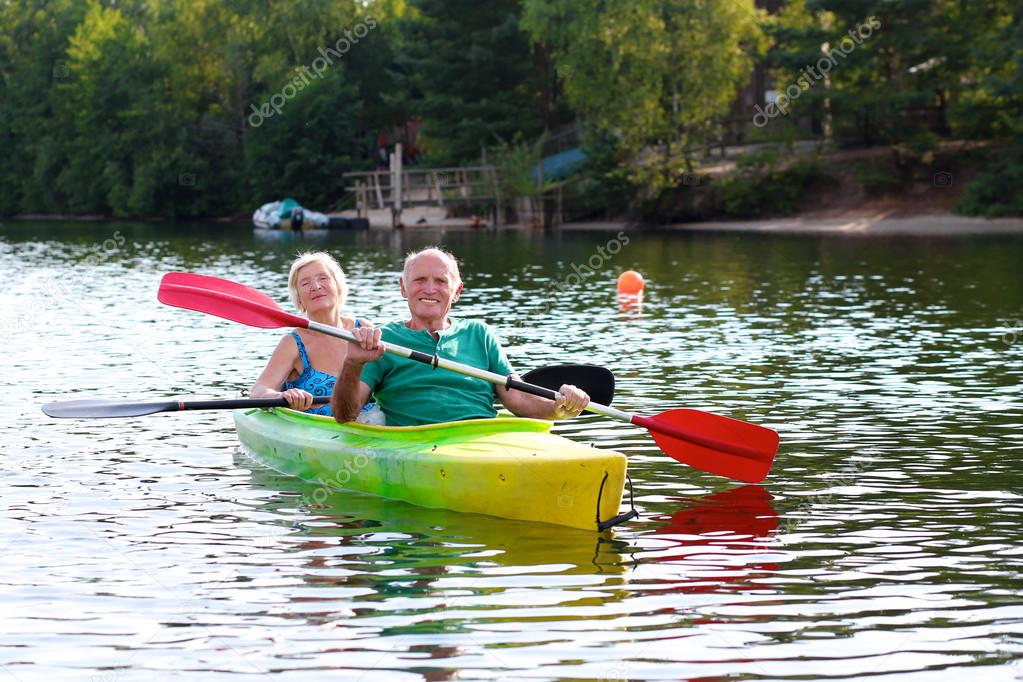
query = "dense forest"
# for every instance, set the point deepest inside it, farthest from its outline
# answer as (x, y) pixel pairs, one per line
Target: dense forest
(180, 108)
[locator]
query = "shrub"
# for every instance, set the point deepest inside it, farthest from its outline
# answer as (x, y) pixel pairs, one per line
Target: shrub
(999, 192)
(877, 178)
(767, 189)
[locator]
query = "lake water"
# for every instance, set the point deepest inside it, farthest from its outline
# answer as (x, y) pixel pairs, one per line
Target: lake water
(885, 544)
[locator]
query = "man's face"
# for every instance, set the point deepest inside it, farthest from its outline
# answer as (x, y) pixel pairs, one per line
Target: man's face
(431, 288)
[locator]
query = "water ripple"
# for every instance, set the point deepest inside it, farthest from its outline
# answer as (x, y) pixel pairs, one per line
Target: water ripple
(885, 543)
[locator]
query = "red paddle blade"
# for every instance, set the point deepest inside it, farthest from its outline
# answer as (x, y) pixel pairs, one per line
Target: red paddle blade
(715, 444)
(226, 299)
(224, 286)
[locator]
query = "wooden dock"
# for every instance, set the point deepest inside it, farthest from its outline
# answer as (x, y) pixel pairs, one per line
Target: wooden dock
(397, 189)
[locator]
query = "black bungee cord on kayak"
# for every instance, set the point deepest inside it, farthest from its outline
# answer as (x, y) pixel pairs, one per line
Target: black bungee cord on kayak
(618, 518)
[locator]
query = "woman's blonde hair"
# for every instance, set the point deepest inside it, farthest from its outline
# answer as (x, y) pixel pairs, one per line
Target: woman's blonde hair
(332, 267)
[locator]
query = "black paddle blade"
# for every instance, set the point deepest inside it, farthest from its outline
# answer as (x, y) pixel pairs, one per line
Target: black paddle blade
(598, 382)
(88, 409)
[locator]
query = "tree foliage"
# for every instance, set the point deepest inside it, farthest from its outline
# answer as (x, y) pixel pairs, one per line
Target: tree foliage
(899, 69)
(933, 70)
(657, 76)
(204, 107)
(145, 107)
(477, 80)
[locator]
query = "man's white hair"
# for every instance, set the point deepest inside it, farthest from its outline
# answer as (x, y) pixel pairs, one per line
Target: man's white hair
(437, 251)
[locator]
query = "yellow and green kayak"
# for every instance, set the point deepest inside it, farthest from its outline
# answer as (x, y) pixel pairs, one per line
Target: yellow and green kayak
(508, 467)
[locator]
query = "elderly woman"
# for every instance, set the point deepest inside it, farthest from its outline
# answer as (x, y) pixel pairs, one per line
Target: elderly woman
(305, 363)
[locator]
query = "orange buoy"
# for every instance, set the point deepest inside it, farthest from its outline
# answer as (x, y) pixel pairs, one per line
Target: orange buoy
(630, 283)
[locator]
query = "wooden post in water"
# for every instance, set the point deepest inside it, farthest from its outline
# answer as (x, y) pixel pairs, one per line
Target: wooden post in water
(396, 186)
(559, 214)
(379, 192)
(539, 186)
(498, 217)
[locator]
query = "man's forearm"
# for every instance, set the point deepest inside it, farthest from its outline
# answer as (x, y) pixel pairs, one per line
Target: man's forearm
(526, 405)
(522, 404)
(344, 401)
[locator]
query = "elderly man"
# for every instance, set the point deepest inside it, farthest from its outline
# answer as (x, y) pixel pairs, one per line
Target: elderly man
(411, 393)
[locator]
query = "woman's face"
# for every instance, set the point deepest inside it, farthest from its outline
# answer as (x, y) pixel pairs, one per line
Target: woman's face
(317, 289)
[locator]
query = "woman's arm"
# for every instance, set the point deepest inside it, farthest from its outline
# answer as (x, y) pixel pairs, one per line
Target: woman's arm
(278, 369)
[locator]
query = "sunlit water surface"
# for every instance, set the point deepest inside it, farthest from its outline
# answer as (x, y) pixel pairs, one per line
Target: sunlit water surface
(885, 544)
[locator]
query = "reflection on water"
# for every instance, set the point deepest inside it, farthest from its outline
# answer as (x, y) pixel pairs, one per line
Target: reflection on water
(885, 543)
(431, 538)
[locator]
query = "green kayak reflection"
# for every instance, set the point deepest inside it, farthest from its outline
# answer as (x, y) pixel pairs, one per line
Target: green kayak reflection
(394, 534)
(364, 561)
(720, 531)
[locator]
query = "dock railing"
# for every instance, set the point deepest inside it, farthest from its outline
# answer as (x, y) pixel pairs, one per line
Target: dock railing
(397, 189)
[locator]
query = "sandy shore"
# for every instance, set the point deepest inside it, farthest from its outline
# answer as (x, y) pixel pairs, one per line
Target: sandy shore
(930, 225)
(925, 225)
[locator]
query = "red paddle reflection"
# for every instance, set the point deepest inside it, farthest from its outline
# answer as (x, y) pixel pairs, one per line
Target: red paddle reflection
(719, 541)
(745, 511)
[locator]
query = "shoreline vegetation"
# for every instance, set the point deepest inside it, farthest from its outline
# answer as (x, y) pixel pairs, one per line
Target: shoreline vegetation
(869, 191)
(784, 108)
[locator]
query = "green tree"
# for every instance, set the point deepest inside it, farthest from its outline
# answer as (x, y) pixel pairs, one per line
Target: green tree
(996, 108)
(33, 37)
(476, 79)
(899, 69)
(656, 76)
(101, 107)
(305, 150)
(143, 107)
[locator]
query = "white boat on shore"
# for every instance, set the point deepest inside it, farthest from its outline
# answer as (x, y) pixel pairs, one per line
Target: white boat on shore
(288, 216)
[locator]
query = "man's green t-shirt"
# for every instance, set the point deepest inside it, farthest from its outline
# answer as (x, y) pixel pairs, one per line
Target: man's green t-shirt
(412, 393)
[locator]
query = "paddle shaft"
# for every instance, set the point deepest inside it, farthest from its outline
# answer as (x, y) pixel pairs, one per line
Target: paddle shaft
(272, 316)
(243, 403)
(596, 381)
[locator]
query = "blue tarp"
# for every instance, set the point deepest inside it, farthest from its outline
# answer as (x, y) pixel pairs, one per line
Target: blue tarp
(560, 166)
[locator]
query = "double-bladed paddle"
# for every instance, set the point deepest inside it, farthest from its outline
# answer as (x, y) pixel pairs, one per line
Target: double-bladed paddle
(706, 441)
(598, 382)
